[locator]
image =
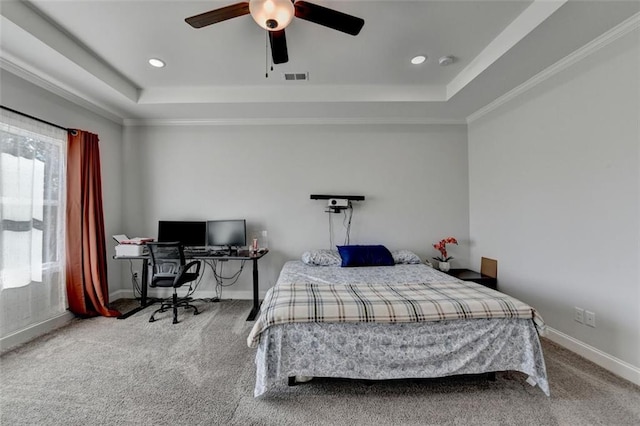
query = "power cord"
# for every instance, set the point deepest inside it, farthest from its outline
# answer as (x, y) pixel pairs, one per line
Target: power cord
(346, 223)
(220, 278)
(134, 282)
(330, 231)
(347, 236)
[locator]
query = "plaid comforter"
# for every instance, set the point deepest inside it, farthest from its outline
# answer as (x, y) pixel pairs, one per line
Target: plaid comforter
(385, 303)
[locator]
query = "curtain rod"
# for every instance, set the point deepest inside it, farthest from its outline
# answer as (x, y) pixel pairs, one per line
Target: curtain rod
(72, 131)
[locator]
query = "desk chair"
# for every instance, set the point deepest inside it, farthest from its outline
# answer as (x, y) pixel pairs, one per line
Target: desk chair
(170, 270)
(489, 267)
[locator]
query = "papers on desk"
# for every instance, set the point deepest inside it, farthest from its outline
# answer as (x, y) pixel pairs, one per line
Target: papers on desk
(123, 239)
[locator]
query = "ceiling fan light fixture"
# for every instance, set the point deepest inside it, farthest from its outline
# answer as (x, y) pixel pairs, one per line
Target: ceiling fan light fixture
(272, 15)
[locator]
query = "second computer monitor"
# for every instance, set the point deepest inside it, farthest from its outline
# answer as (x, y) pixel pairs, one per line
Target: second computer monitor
(227, 233)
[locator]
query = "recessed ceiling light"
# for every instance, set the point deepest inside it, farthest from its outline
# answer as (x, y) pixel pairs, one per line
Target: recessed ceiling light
(155, 62)
(418, 59)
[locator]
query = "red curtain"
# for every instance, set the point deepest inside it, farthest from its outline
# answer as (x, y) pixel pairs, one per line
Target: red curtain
(86, 269)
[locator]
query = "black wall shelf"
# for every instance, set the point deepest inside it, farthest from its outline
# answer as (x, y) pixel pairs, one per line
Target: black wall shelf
(341, 197)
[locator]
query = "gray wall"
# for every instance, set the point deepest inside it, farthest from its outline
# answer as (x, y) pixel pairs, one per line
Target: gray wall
(414, 179)
(554, 196)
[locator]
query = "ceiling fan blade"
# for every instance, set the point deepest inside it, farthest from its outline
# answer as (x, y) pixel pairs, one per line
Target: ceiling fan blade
(328, 17)
(278, 47)
(218, 15)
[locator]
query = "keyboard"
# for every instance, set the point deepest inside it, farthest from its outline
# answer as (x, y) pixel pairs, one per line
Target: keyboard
(197, 252)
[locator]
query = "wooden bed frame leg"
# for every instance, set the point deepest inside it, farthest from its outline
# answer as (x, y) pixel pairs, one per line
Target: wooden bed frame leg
(292, 380)
(490, 376)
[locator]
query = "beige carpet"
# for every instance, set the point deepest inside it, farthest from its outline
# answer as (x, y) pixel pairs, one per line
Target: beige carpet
(104, 371)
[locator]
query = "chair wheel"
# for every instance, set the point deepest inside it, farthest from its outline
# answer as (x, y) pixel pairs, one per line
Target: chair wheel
(196, 313)
(175, 321)
(151, 319)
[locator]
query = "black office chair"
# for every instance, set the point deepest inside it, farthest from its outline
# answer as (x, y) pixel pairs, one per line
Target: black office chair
(170, 270)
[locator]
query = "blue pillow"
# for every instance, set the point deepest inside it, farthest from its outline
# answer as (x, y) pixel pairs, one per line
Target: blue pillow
(365, 256)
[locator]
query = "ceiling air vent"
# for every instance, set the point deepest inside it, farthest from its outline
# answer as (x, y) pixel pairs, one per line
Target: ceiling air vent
(295, 76)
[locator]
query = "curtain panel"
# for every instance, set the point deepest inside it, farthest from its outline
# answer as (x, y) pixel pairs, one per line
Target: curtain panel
(86, 268)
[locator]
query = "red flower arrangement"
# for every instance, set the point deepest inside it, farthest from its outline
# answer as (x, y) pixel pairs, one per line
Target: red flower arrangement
(442, 248)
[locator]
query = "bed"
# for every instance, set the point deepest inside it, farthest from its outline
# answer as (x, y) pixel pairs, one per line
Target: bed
(390, 322)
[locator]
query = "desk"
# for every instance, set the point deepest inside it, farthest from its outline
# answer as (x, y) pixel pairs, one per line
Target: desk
(476, 277)
(241, 255)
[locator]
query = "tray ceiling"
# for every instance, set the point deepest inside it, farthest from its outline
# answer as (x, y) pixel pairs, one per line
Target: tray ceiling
(97, 51)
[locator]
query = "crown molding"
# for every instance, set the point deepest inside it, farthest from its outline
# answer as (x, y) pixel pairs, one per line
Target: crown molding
(288, 121)
(530, 19)
(57, 88)
(593, 46)
(28, 18)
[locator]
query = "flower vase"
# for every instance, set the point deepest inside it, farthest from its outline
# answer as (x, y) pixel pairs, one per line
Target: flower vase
(444, 266)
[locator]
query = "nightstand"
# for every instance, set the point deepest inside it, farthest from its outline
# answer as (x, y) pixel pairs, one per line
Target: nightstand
(476, 277)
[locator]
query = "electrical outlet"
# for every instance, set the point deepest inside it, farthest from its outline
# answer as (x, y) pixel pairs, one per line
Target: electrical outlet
(578, 315)
(590, 318)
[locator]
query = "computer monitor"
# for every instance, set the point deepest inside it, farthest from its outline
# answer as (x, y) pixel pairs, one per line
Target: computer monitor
(190, 234)
(227, 233)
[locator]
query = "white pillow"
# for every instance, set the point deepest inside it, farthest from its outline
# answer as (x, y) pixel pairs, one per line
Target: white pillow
(405, 256)
(322, 257)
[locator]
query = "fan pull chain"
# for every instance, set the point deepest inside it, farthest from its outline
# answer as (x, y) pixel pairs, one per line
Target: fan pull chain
(266, 54)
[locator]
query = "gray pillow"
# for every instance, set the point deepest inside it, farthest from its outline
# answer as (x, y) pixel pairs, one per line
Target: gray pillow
(322, 257)
(405, 256)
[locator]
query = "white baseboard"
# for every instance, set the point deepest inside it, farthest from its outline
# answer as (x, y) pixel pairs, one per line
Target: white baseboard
(35, 330)
(603, 359)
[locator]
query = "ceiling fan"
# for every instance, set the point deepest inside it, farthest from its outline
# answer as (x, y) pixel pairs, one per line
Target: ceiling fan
(275, 15)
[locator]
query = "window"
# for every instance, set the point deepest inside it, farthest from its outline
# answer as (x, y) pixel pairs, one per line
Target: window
(32, 218)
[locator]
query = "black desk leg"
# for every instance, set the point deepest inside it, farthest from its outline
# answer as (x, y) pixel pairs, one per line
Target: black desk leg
(256, 302)
(143, 296)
